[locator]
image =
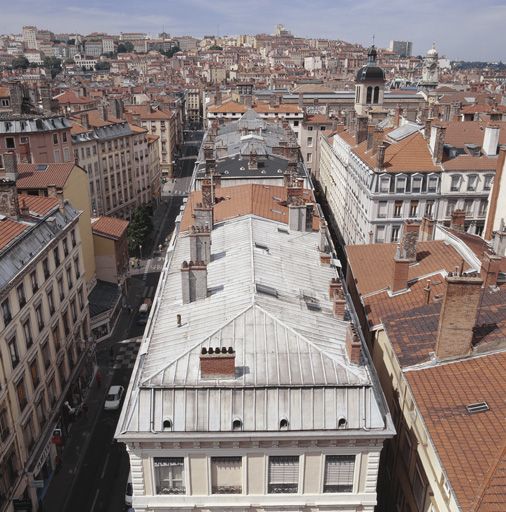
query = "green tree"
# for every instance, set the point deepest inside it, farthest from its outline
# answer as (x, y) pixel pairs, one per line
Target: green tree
(20, 63)
(139, 228)
(125, 47)
(170, 53)
(215, 47)
(53, 64)
(103, 66)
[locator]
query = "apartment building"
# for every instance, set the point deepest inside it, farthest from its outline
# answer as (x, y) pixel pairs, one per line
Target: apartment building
(193, 104)
(162, 124)
(269, 402)
(373, 179)
(116, 156)
(432, 308)
(44, 333)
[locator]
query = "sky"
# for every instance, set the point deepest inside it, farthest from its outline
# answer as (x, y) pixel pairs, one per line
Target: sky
(461, 29)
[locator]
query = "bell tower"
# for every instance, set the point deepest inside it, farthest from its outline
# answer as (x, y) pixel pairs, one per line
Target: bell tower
(369, 85)
(430, 72)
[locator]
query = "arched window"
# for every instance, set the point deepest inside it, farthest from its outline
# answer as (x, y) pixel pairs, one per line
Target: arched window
(369, 95)
(376, 94)
(357, 94)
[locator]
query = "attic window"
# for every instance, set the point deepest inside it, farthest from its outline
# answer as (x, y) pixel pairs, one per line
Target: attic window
(477, 407)
(266, 290)
(167, 425)
(41, 167)
(284, 230)
(237, 424)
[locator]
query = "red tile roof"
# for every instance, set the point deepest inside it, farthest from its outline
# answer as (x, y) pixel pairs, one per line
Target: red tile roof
(228, 107)
(470, 163)
(71, 98)
(266, 201)
(53, 174)
(40, 205)
(111, 227)
(9, 230)
(471, 447)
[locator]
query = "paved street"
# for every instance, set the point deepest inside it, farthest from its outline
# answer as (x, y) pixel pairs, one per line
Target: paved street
(95, 468)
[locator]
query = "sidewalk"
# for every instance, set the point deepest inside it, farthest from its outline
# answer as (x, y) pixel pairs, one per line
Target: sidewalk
(63, 481)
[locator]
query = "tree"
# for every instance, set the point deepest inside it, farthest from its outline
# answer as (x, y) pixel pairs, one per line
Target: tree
(103, 66)
(125, 47)
(139, 228)
(170, 53)
(53, 64)
(71, 42)
(215, 47)
(20, 63)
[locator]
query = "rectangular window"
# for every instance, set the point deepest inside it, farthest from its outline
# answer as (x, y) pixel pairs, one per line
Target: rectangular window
(13, 351)
(28, 434)
(73, 310)
(50, 301)
(398, 208)
(56, 254)
(455, 185)
(395, 233)
(380, 234)
(483, 207)
(413, 208)
(46, 356)
(416, 185)
(80, 298)
(309, 158)
(73, 237)
(382, 209)
(310, 142)
(450, 207)
(34, 372)
(4, 425)
(419, 488)
(468, 207)
(21, 295)
(21, 393)
(487, 184)
(45, 268)
(432, 186)
(33, 280)
(61, 290)
(226, 475)
(55, 138)
(64, 136)
(429, 205)
(69, 277)
(400, 185)
(9, 143)
(39, 316)
(169, 475)
(472, 181)
(51, 391)
(76, 267)
(27, 331)
(385, 185)
(65, 319)
(406, 449)
(65, 248)
(41, 415)
(339, 470)
(283, 475)
(6, 312)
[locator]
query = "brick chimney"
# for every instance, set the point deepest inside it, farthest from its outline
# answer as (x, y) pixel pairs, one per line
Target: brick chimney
(491, 140)
(380, 157)
(193, 281)
(85, 120)
(17, 94)
(210, 165)
(490, 269)
(200, 243)
(377, 139)
(300, 216)
(410, 232)
(397, 120)
(336, 295)
(458, 315)
(323, 243)
(353, 345)
(294, 193)
(217, 363)
(458, 220)
(437, 141)
(9, 203)
(370, 136)
(427, 128)
(361, 129)
(426, 229)
(203, 216)
(207, 193)
(253, 161)
(10, 166)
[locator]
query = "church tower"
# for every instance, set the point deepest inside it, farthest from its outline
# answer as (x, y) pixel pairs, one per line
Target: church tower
(369, 85)
(430, 72)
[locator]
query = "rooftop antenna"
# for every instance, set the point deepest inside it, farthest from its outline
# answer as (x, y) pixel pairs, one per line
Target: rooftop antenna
(373, 38)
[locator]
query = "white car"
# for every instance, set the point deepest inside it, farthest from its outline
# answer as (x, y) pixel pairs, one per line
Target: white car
(113, 398)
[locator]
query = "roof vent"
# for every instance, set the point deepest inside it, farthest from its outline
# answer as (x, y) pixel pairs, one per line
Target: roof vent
(41, 167)
(167, 425)
(283, 424)
(266, 290)
(341, 422)
(477, 407)
(237, 424)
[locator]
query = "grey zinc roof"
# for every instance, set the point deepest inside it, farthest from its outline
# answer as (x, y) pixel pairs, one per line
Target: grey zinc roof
(29, 124)
(33, 242)
(290, 360)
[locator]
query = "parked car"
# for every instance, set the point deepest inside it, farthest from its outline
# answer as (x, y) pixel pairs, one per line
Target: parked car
(113, 398)
(144, 309)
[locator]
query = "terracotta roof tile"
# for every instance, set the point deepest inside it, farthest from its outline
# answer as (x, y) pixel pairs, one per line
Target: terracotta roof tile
(71, 98)
(35, 176)
(228, 107)
(470, 163)
(263, 200)
(9, 230)
(40, 205)
(470, 132)
(471, 447)
(110, 227)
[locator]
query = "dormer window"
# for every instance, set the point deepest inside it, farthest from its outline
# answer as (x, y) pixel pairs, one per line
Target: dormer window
(472, 182)
(416, 184)
(455, 185)
(400, 184)
(385, 184)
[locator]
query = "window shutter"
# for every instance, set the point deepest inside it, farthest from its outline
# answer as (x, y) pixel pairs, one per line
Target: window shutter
(284, 470)
(339, 470)
(226, 472)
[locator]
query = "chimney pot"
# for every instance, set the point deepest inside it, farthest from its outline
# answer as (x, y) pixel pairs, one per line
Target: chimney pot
(217, 363)
(458, 220)
(380, 157)
(178, 320)
(490, 269)
(353, 345)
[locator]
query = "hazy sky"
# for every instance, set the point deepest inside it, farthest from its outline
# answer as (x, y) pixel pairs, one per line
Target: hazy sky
(462, 29)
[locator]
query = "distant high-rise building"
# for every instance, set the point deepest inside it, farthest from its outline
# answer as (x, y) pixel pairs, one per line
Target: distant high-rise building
(401, 48)
(30, 37)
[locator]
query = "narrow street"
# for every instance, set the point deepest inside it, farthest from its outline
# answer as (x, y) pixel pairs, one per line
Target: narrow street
(98, 481)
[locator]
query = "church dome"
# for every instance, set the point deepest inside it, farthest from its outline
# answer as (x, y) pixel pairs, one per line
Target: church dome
(432, 52)
(370, 72)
